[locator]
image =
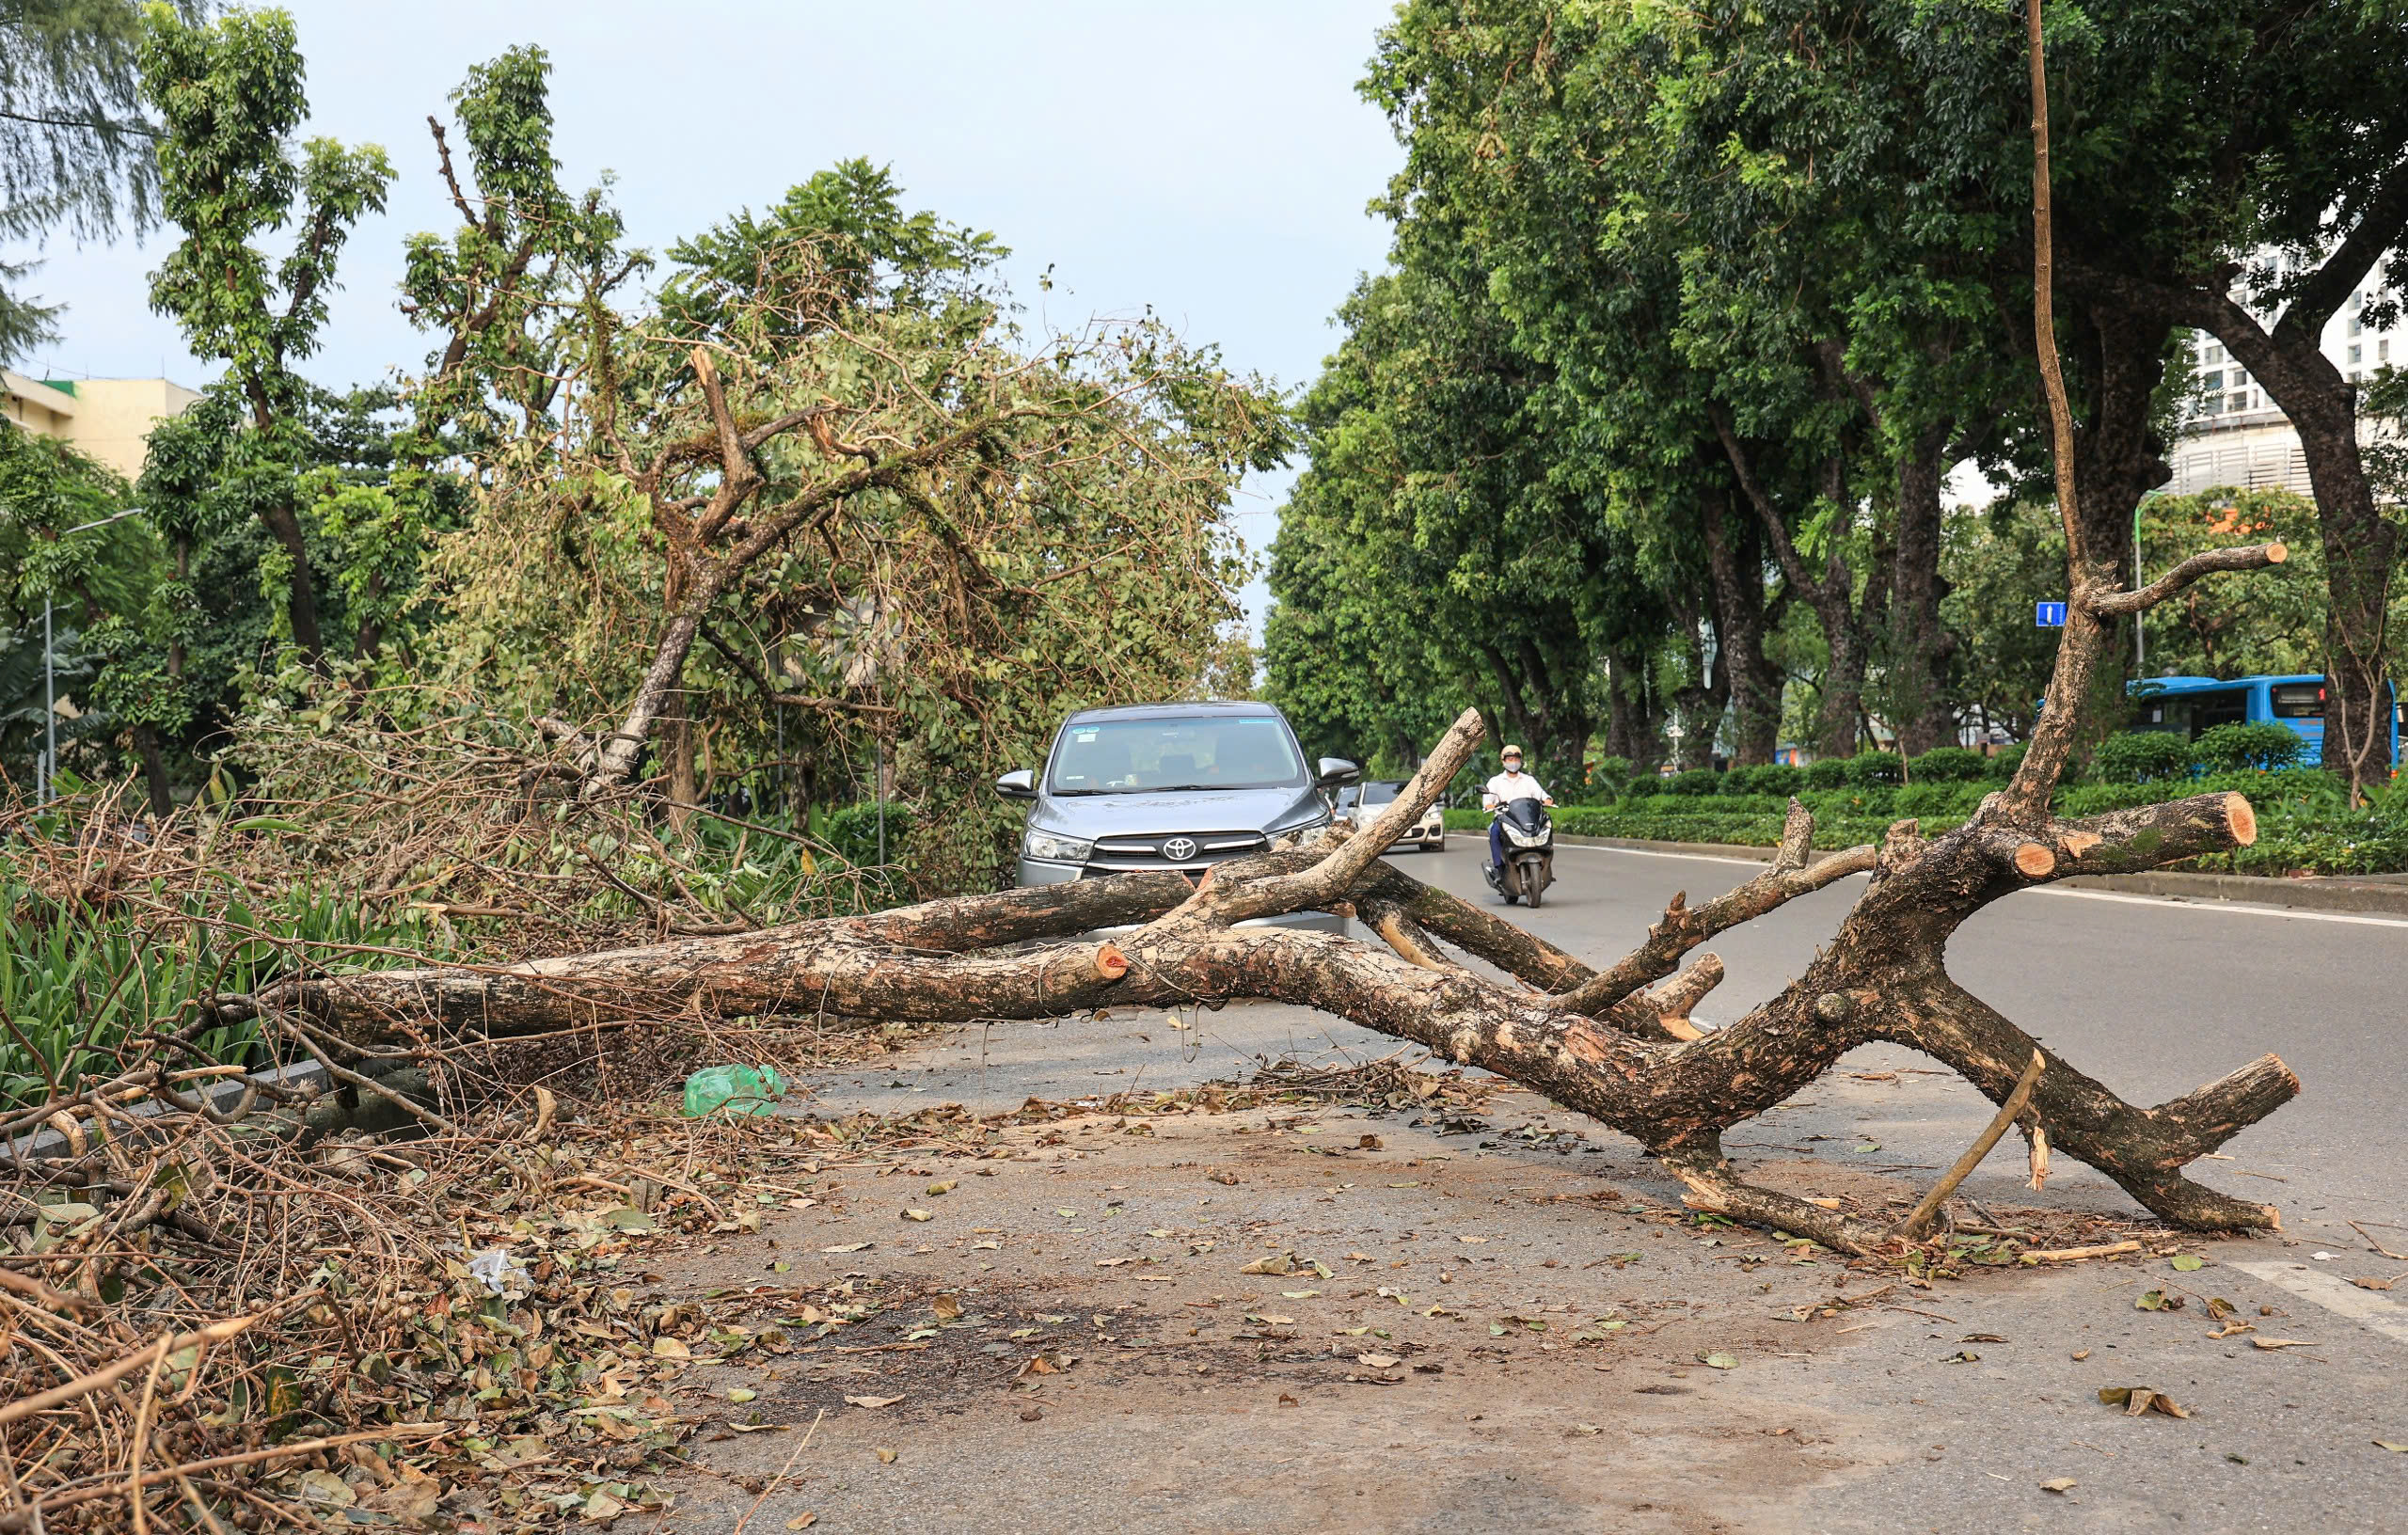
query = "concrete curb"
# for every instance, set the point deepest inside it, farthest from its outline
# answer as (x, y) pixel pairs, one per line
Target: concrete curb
(2362, 896)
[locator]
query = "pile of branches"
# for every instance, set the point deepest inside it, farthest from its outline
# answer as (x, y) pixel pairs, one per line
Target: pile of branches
(239, 1303)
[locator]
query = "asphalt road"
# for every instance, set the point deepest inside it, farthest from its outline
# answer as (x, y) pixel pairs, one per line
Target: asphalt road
(2152, 997)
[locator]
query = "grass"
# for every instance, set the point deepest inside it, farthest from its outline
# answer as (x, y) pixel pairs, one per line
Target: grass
(76, 985)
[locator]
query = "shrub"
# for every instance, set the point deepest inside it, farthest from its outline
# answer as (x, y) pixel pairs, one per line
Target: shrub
(1608, 777)
(1870, 769)
(1827, 774)
(2238, 748)
(1939, 800)
(851, 831)
(2142, 756)
(1946, 765)
(1776, 778)
(2001, 767)
(1696, 781)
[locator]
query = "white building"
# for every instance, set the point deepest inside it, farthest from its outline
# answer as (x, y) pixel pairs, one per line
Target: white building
(2235, 436)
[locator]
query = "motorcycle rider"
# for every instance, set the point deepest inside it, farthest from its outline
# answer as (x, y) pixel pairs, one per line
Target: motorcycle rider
(1506, 787)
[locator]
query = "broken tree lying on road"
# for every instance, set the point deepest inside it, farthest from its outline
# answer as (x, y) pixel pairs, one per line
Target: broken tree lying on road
(1598, 1041)
(1613, 1043)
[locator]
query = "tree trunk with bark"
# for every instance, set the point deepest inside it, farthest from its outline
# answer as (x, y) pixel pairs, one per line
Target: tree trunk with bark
(1921, 644)
(1632, 730)
(1743, 618)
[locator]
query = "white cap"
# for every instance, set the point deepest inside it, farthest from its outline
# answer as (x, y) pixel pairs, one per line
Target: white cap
(1511, 752)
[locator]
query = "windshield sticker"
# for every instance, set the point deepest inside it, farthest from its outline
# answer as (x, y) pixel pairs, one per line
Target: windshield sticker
(1084, 734)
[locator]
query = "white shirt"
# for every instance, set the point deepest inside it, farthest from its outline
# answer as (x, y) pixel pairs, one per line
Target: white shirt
(1507, 787)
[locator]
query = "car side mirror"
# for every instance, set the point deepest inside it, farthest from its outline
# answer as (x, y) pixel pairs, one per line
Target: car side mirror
(1336, 771)
(1019, 783)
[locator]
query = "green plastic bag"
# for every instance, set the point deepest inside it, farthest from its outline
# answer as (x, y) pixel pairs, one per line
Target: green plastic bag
(738, 1089)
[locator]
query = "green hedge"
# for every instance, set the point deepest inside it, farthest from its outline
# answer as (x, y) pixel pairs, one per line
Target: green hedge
(2304, 819)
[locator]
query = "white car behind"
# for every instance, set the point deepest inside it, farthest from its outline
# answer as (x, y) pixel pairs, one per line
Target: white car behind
(1362, 804)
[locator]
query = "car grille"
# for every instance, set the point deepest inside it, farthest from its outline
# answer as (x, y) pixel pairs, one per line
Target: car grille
(1122, 855)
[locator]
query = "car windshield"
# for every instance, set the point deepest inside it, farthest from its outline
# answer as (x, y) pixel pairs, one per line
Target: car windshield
(1379, 794)
(1178, 752)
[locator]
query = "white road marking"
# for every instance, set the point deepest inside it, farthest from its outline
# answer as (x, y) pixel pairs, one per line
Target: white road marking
(2334, 1293)
(2237, 908)
(1687, 857)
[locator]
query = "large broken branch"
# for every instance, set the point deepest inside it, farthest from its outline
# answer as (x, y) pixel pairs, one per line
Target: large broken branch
(1591, 1038)
(1638, 1066)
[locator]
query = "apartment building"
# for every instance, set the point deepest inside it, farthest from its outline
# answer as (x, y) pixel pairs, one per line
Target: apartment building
(2235, 434)
(109, 419)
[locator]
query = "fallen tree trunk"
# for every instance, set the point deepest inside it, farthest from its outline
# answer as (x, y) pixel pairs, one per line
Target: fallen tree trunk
(1594, 1040)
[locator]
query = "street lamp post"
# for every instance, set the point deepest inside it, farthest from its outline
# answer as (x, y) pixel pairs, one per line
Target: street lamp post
(46, 770)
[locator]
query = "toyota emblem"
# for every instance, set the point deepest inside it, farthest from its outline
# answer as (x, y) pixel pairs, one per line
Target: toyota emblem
(1179, 849)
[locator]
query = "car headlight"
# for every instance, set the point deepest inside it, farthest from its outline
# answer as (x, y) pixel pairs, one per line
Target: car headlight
(1045, 845)
(1316, 818)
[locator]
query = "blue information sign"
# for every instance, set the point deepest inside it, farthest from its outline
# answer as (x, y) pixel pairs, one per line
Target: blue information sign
(2049, 615)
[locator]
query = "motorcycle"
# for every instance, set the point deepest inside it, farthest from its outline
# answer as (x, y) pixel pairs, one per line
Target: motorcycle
(1530, 853)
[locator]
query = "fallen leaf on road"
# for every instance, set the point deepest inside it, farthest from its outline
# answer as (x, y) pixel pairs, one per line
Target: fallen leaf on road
(2372, 1284)
(947, 1307)
(986, 1246)
(2062, 1484)
(946, 1187)
(1287, 1401)
(1377, 1361)
(1718, 1361)
(1369, 1143)
(2188, 1262)
(2396, 1450)
(803, 1521)
(1159, 1233)
(670, 1348)
(1471, 1239)
(887, 1457)
(1275, 1263)
(915, 1214)
(871, 1402)
(1981, 1337)
(1273, 1321)
(740, 1394)
(2270, 1343)
(847, 1247)
(1113, 1262)
(2136, 1400)
(1229, 1178)
(2081, 1353)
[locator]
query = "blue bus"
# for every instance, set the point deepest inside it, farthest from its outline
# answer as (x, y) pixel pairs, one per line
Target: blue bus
(2190, 705)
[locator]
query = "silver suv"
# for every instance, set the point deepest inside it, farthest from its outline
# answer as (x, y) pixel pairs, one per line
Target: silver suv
(1170, 786)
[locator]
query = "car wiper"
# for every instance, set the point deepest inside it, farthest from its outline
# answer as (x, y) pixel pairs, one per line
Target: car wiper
(1064, 794)
(1173, 788)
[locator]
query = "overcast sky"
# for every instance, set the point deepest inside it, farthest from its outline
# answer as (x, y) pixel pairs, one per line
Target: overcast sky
(1210, 159)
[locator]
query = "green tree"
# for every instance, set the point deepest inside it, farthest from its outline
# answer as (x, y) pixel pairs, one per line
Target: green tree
(862, 521)
(1427, 543)
(2209, 134)
(77, 152)
(47, 491)
(229, 94)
